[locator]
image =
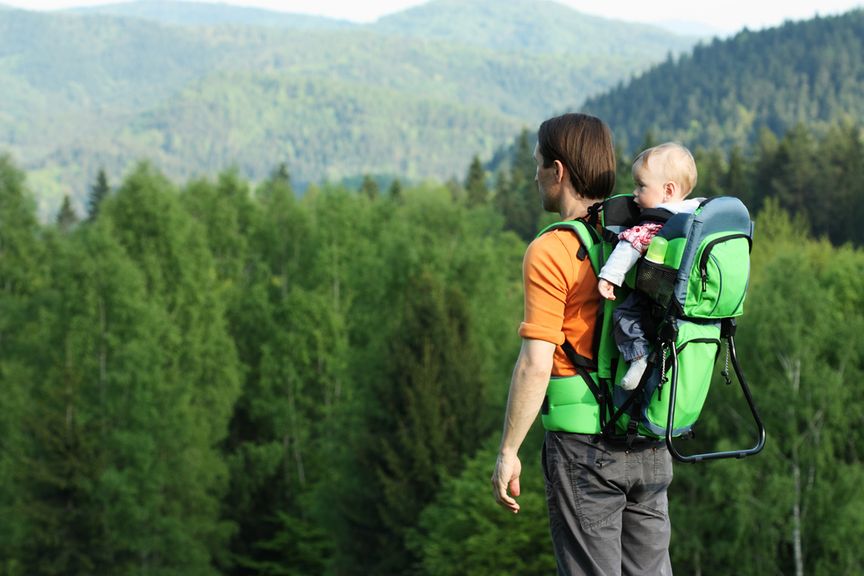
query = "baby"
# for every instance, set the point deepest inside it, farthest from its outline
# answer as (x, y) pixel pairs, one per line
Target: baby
(664, 176)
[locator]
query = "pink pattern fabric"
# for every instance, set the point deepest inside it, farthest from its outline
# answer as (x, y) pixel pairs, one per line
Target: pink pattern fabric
(640, 236)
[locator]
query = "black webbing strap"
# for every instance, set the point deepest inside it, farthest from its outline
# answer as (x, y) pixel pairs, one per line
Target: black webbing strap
(584, 366)
(632, 406)
(593, 216)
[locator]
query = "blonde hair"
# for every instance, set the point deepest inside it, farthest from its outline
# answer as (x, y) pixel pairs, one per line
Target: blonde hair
(674, 161)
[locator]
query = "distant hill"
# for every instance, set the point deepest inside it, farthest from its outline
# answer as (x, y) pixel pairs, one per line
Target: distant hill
(691, 28)
(724, 93)
(211, 14)
(539, 26)
(165, 82)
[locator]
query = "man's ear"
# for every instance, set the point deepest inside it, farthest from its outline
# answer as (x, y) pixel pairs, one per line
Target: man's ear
(559, 171)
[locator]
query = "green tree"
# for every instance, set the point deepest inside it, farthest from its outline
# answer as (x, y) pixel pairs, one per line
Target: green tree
(98, 192)
(199, 367)
(463, 531)
(395, 190)
(92, 492)
(477, 193)
(66, 217)
(738, 178)
(23, 270)
(369, 187)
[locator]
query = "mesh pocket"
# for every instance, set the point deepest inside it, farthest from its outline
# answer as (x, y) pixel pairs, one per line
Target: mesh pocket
(656, 280)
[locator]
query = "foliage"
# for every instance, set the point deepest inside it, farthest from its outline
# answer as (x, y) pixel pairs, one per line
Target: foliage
(223, 378)
(465, 532)
(726, 92)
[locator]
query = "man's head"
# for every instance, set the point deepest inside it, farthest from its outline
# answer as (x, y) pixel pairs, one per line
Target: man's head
(574, 155)
(664, 173)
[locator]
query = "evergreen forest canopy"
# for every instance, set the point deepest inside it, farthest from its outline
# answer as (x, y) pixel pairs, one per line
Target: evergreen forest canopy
(109, 86)
(218, 377)
(226, 379)
(726, 92)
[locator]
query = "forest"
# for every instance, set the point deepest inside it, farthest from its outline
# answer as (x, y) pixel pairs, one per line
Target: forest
(723, 93)
(215, 378)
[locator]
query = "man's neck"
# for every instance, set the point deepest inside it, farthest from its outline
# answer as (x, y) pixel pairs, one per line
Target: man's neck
(573, 207)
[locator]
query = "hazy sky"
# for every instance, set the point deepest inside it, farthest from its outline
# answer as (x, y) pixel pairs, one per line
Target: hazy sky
(726, 15)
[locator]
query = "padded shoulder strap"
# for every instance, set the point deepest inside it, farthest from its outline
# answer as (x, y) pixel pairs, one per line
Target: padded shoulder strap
(589, 240)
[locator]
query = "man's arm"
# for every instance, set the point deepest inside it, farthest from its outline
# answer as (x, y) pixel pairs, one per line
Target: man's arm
(527, 389)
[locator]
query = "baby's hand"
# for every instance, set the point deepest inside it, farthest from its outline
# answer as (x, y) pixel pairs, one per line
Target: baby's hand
(606, 288)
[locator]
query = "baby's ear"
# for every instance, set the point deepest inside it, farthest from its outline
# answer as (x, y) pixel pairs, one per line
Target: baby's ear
(670, 189)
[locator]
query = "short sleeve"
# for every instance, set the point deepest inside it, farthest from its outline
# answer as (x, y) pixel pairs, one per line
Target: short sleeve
(547, 271)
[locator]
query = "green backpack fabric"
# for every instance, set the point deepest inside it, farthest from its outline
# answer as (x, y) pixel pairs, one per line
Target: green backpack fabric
(696, 293)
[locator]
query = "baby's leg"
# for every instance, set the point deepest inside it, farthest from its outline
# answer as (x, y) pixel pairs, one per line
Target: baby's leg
(631, 340)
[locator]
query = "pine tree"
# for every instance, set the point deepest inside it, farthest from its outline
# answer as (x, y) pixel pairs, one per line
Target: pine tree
(369, 187)
(66, 217)
(477, 193)
(395, 190)
(98, 192)
(281, 174)
(523, 167)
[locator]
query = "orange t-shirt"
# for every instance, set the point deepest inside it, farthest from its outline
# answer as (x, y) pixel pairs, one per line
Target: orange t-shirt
(561, 297)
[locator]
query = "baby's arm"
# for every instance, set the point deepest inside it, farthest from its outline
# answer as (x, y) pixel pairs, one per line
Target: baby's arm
(612, 274)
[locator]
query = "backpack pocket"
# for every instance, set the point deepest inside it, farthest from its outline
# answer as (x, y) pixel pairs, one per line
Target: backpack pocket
(719, 277)
(657, 281)
(697, 347)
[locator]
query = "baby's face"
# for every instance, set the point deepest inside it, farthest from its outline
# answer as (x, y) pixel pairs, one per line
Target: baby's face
(650, 187)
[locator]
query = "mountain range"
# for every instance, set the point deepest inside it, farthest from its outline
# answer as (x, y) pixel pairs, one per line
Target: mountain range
(197, 88)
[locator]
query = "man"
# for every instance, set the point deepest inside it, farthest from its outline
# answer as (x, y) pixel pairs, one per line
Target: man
(607, 503)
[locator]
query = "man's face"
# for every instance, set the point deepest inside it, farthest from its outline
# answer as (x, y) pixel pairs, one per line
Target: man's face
(547, 182)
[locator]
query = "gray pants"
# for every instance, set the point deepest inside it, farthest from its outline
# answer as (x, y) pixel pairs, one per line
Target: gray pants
(608, 511)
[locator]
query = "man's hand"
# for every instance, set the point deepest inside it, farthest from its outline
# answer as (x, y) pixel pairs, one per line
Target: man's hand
(506, 476)
(606, 288)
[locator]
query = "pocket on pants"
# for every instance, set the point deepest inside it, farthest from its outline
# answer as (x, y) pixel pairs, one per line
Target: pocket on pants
(662, 466)
(597, 497)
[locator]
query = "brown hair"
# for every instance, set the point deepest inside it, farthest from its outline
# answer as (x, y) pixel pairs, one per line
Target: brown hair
(583, 144)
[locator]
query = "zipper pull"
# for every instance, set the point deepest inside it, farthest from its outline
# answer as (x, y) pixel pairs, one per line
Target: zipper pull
(704, 280)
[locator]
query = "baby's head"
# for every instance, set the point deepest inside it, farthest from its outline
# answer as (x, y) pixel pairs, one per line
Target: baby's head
(664, 173)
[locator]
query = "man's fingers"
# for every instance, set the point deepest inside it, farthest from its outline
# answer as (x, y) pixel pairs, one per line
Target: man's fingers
(514, 487)
(508, 502)
(501, 495)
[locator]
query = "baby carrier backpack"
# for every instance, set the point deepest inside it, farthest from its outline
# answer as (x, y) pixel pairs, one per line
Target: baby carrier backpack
(695, 289)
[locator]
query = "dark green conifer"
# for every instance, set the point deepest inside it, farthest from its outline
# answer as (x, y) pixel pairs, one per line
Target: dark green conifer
(369, 187)
(477, 193)
(98, 192)
(66, 217)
